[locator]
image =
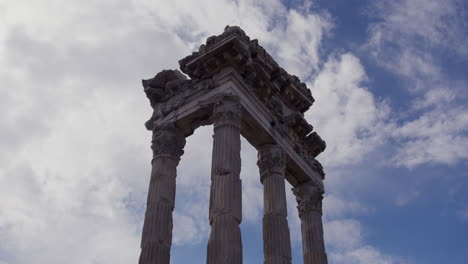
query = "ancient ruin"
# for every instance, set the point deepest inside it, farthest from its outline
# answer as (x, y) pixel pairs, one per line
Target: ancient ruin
(239, 88)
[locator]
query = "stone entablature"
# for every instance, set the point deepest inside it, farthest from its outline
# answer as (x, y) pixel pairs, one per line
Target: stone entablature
(239, 88)
(282, 94)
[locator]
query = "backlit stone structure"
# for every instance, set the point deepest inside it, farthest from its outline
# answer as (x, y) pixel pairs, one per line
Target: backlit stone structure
(236, 86)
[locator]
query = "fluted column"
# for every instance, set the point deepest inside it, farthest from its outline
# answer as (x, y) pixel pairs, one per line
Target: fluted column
(276, 238)
(167, 144)
(309, 199)
(225, 244)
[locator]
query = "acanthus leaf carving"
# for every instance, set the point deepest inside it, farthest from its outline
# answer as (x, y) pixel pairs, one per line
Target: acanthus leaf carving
(227, 111)
(309, 198)
(167, 140)
(271, 159)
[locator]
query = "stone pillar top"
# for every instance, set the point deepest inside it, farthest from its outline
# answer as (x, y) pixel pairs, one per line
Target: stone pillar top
(168, 141)
(226, 109)
(309, 198)
(271, 159)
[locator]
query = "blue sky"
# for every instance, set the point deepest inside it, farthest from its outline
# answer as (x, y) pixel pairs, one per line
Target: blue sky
(391, 90)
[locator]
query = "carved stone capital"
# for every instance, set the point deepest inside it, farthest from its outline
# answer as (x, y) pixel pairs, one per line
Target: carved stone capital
(309, 198)
(227, 111)
(167, 140)
(271, 159)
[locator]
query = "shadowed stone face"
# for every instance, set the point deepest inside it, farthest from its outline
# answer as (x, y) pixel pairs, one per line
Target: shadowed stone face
(163, 84)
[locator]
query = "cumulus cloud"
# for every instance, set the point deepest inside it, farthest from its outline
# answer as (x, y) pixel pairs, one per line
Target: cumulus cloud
(439, 136)
(407, 40)
(346, 114)
(431, 23)
(365, 254)
(46, 214)
(345, 238)
(75, 155)
(75, 158)
(337, 207)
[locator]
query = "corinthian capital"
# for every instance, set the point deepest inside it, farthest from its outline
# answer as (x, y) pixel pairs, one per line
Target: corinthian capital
(271, 159)
(309, 198)
(168, 140)
(227, 111)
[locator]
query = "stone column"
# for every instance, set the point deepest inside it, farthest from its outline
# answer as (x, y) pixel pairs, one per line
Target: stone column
(309, 198)
(276, 239)
(167, 144)
(225, 244)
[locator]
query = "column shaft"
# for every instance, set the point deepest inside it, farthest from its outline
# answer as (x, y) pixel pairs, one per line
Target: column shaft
(309, 199)
(225, 243)
(167, 145)
(312, 238)
(276, 238)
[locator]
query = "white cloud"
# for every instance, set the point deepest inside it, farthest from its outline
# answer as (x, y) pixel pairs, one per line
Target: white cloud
(345, 238)
(186, 231)
(43, 212)
(345, 113)
(343, 234)
(438, 136)
(75, 155)
(364, 255)
(75, 158)
(432, 23)
(336, 207)
(407, 39)
(296, 45)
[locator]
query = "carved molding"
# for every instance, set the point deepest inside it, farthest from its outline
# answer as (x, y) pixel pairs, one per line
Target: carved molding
(233, 48)
(169, 90)
(168, 141)
(227, 111)
(283, 95)
(317, 166)
(309, 198)
(271, 159)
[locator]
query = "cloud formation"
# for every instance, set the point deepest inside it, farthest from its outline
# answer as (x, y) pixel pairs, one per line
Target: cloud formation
(74, 155)
(410, 39)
